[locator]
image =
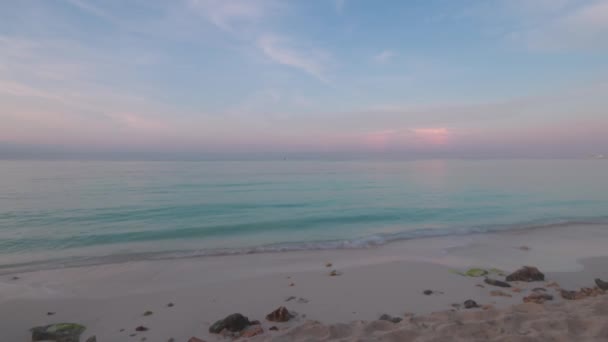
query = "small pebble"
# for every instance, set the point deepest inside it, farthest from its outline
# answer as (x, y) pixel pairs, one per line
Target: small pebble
(50, 313)
(170, 305)
(273, 328)
(141, 328)
(428, 292)
(292, 284)
(15, 278)
(329, 264)
(148, 313)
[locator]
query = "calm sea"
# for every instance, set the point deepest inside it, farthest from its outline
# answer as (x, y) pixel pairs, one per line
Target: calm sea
(72, 212)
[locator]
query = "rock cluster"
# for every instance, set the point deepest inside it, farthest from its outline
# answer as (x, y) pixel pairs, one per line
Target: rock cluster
(582, 293)
(390, 318)
(538, 298)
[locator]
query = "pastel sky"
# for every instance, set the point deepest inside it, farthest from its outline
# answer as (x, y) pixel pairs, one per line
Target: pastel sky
(223, 77)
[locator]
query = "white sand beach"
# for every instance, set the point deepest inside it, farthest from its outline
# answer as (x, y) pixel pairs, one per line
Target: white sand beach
(110, 300)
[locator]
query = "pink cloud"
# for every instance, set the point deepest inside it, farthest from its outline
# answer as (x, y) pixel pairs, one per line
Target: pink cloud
(435, 136)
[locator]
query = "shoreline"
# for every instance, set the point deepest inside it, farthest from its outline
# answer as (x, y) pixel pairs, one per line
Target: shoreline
(359, 243)
(386, 280)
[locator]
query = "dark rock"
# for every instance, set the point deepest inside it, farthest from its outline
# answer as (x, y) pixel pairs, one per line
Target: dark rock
(495, 282)
(334, 273)
(50, 313)
(92, 339)
(15, 278)
(329, 264)
(601, 284)
(470, 304)
(279, 315)
(428, 292)
(121, 330)
(234, 323)
(141, 328)
(538, 298)
(526, 273)
(170, 305)
(390, 318)
(148, 313)
(290, 298)
(60, 332)
(171, 340)
(134, 334)
(273, 328)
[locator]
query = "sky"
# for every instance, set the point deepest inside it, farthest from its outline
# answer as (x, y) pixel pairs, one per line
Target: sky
(408, 78)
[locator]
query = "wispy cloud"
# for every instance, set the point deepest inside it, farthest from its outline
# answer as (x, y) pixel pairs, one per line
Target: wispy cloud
(339, 5)
(88, 7)
(283, 52)
(385, 56)
(582, 27)
(248, 20)
(229, 15)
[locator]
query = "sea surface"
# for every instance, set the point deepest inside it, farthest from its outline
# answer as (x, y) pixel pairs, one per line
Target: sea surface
(61, 213)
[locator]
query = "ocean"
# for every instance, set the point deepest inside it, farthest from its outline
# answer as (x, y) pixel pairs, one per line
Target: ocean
(62, 213)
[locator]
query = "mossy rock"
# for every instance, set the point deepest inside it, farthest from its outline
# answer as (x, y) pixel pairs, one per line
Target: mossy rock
(478, 272)
(59, 332)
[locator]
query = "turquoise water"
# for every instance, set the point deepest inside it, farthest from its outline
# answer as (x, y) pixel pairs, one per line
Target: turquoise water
(71, 210)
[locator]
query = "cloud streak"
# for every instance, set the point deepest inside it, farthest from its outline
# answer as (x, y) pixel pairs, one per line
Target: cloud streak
(385, 56)
(584, 27)
(231, 15)
(279, 50)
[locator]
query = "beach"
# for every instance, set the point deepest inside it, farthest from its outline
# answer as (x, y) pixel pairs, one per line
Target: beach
(186, 295)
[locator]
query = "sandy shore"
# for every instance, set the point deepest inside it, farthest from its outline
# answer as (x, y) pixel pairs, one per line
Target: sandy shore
(110, 300)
